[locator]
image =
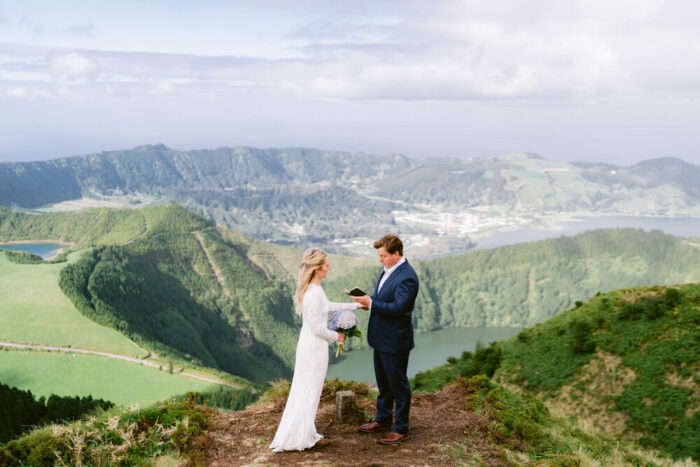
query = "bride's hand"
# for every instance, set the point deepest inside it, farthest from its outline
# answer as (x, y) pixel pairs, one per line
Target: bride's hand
(363, 301)
(341, 337)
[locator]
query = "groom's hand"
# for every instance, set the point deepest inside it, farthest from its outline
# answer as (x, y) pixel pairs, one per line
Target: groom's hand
(364, 300)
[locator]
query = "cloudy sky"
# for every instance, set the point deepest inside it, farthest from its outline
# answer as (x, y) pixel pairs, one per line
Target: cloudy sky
(615, 81)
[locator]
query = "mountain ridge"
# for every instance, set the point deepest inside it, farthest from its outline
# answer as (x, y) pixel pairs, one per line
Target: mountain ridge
(439, 204)
(162, 146)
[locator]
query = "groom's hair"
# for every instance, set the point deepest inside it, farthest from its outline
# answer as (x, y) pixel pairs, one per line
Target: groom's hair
(391, 244)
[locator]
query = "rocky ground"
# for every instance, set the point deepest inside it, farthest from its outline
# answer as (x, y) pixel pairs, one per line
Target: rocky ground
(440, 426)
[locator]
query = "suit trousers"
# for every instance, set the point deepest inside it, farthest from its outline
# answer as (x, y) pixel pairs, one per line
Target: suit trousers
(392, 382)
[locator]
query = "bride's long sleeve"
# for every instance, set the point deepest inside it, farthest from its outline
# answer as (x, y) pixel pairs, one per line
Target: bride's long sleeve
(335, 306)
(318, 320)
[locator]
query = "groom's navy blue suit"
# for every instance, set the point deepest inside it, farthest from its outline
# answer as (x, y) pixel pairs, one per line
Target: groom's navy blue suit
(390, 333)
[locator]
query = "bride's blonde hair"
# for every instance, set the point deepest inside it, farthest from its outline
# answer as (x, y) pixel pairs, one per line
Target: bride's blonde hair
(313, 259)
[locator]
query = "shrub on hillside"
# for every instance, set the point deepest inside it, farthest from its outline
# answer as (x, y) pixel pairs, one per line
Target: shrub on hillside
(224, 398)
(581, 339)
(672, 297)
(127, 439)
(24, 257)
(483, 361)
(518, 419)
(331, 386)
(651, 307)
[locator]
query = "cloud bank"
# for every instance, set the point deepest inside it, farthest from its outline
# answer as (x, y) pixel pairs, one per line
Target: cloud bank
(472, 50)
(574, 80)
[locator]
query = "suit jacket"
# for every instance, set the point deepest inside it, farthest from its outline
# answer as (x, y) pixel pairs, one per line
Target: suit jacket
(390, 329)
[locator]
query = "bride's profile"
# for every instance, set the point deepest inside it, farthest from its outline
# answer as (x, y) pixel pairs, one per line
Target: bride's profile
(297, 428)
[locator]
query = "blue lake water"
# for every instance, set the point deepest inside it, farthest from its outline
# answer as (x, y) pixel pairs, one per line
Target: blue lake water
(678, 226)
(45, 250)
(432, 349)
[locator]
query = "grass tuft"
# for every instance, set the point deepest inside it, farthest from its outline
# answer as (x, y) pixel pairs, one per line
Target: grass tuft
(115, 438)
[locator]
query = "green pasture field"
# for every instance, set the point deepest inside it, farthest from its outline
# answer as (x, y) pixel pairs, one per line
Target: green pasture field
(34, 310)
(124, 383)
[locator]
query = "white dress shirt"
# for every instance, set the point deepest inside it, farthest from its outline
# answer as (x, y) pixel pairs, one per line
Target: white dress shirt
(387, 272)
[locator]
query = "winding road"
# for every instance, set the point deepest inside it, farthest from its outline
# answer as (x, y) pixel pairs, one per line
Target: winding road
(117, 357)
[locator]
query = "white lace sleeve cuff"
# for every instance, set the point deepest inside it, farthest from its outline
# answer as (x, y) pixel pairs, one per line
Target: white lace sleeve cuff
(318, 321)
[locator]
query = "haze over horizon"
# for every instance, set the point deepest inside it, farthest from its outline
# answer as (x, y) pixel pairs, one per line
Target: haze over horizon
(620, 164)
(571, 81)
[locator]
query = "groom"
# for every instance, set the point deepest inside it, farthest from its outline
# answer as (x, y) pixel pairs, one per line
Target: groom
(390, 333)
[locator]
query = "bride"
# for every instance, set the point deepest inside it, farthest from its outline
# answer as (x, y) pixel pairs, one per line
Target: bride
(297, 429)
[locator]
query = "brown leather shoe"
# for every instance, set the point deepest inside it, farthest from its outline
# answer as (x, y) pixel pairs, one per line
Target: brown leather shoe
(393, 438)
(373, 427)
(322, 443)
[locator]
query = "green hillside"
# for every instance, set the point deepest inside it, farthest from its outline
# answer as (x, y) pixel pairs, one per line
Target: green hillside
(477, 423)
(165, 279)
(162, 292)
(176, 285)
(182, 288)
(626, 362)
(524, 284)
(82, 228)
(34, 310)
(509, 286)
(116, 437)
(124, 383)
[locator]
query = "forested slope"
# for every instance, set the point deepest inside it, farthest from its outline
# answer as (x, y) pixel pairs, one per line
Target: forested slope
(523, 284)
(527, 283)
(160, 290)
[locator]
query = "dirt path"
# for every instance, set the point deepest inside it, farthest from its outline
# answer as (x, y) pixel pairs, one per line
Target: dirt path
(216, 272)
(439, 423)
(117, 357)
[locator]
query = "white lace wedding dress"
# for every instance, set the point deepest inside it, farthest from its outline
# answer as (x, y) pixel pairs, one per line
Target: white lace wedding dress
(297, 429)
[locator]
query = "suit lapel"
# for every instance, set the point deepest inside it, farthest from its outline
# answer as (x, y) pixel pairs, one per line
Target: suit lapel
(393, 276)
(376, 287)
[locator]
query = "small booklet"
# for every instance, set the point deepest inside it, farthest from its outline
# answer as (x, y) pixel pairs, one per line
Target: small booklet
(356, 292)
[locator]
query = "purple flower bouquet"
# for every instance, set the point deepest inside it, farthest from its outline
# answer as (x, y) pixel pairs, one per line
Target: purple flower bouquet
(346, 322)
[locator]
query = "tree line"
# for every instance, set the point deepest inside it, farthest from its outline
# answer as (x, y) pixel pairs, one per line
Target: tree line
(20, 410)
